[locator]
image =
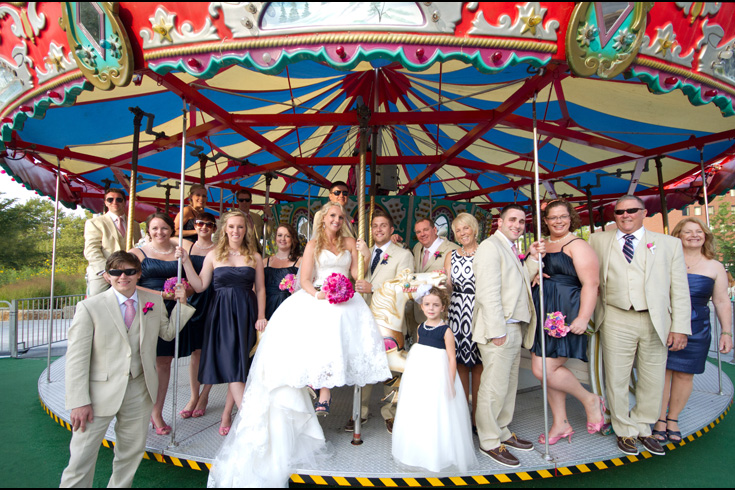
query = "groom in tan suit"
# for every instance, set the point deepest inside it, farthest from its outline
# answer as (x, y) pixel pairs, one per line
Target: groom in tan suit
(111, 371)
(104, 235)
(642, 311)
(503, 321)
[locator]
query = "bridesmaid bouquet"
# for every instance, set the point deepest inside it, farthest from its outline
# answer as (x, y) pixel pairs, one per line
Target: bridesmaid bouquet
(288, 283)
(338, 288)
(170, 285)
(554, 325)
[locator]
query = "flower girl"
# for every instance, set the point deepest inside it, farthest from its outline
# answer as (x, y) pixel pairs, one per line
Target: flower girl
(432, 428)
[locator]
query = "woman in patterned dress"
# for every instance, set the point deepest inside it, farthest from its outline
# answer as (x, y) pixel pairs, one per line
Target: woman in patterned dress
(461, 281)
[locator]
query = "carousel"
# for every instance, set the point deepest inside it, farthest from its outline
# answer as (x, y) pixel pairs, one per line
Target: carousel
(425, 109)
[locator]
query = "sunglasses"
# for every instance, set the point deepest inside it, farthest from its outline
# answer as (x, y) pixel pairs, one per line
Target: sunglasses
(620, 212)
(120, 272)
(118, 200)
(341, 193)
(245, 199)
(202, 224)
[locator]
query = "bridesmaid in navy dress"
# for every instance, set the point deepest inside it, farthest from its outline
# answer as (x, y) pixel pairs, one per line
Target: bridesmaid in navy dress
(197, 203)
(571, 278)
(158, 262)
(286, 260)
(707, 279)
(235, 311)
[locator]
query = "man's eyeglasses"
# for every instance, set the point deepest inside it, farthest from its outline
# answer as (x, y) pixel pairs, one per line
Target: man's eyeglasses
(245, 199)
(118, 200)
(341, 193)
(202, 224)
(120, 272)
(620, 212)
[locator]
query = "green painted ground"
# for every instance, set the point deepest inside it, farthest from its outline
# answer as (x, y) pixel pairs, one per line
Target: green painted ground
(34, 450)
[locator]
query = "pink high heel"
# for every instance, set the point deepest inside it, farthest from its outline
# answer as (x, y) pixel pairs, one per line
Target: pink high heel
(553, 440)
(161, 431)
(198, 413)
(593, 428)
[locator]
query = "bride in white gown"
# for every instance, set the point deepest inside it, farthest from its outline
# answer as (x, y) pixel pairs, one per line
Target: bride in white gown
(308, 342)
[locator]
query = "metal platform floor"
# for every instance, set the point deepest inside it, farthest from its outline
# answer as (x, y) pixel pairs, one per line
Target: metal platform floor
(371, 464)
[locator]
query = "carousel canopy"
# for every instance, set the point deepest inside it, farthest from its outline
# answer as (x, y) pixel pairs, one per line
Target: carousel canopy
(282, 92)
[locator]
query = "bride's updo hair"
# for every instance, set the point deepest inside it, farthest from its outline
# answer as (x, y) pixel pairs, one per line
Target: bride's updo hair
(321, 234)
(248, 248)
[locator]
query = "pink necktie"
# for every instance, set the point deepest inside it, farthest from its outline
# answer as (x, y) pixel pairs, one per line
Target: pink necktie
(426, 258)
(129, 312)
(515, 250)
(120, 226)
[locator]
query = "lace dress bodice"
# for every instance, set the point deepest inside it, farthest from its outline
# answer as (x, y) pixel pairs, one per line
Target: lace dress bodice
(328, 263)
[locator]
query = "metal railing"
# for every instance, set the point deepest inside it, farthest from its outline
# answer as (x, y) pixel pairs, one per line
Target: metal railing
(25, 323)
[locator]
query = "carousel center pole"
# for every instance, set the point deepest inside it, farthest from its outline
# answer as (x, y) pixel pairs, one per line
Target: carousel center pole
(363, 115)
(542, 310)
(177, 309)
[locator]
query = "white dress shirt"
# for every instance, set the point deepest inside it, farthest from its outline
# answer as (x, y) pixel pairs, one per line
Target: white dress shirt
(637, 237)
(121, 299)
(118, 220)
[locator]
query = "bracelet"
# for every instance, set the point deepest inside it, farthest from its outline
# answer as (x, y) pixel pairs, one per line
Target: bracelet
(727, 333)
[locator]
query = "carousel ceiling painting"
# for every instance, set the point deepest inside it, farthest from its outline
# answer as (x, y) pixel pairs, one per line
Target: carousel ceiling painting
(626, 97)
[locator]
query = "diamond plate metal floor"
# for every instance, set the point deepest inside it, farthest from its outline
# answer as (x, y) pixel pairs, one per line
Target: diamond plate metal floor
(198, 439)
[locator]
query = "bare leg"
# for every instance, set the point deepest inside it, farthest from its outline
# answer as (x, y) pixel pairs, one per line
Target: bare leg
(204, 398)
(325, 394)
(193, 380)
(476, 377)
(664, 405)
(163, 366)
(227, 412)
(681, 389)
(464, 377)
(237, 390)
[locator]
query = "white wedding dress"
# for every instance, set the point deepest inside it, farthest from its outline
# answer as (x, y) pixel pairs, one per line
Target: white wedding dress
(306, 342)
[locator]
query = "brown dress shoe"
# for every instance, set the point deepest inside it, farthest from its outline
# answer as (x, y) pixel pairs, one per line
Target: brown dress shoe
(389, 425)
(518, 444)
(652, 445)
(350, 425)
(627, 445)
(502, 456)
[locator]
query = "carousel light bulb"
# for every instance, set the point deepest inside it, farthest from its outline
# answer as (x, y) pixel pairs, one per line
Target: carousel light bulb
(726, 54)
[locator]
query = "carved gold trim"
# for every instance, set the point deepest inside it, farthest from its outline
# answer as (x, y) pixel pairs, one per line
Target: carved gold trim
(684, 74)
(108, 78)
(354, 38)
(41, 89)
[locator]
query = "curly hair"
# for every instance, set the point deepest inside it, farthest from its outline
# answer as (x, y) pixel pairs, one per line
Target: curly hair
(441, 294)
(321, 235)
(574, 220)
(708, 249)
(248, 248)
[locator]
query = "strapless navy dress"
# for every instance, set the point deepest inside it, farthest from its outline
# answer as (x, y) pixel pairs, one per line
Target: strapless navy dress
(692, 358)
(200, 301)
(229, 331)
(273, 294)
(561, 293)
(154, 275)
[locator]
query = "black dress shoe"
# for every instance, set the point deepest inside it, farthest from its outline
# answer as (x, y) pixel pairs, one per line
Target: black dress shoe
(519, 444)
(350, 425)
(389, 425)
(652, 445)
(502, 456)
(627, 445)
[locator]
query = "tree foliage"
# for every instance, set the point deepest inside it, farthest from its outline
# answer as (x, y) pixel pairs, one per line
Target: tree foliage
(723, 227)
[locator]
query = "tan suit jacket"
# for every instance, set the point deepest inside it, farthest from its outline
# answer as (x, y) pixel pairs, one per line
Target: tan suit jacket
(501, 280)
(434, 264)
(667, 287)
(98, 357)
(398, 260)
(101, 239)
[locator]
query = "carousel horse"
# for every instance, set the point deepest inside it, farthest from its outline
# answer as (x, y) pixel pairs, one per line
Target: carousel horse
(388, 306)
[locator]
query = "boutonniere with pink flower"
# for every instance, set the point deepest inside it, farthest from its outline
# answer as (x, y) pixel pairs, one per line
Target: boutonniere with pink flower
(521, 257)
(438, 255)
(652, 247)
(148, 306)
(385, 259)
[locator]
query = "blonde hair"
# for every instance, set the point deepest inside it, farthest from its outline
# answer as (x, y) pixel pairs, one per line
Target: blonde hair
(321, 235)
(708, 249)
(248, 248)
(466, 219)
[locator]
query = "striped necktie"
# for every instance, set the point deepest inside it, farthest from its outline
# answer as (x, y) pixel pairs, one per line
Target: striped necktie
(376, 258)
(628, 250)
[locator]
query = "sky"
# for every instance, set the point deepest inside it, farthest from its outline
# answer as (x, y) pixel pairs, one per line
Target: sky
(15, 190)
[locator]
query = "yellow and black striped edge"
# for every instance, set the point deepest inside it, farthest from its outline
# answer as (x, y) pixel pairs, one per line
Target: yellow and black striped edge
(339, 481)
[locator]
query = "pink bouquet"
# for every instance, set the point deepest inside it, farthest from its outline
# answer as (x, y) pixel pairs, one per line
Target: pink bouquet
(288, 283)
(554, 325)
(338, 288)
(170, 285)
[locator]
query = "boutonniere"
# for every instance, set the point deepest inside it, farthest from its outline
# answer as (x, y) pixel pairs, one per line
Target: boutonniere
(385, 259)
(438, 255)
(148, 306)
(652, 247)
(521, 257)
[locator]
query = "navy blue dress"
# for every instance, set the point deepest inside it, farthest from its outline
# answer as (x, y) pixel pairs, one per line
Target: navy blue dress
(692, 358)
(273, 294)
(154, 275)
(200, 301)
(561, 293)
(229, 331)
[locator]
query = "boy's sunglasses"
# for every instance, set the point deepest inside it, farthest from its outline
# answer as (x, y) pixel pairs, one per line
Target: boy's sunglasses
(120, 272)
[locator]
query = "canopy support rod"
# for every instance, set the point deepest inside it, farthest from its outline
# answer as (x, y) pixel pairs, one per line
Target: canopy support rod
(53, 272)
(662, 195)
(137, 120)
(590, 210)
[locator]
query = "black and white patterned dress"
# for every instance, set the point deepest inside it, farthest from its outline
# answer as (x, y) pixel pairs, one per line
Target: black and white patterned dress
(461, 307)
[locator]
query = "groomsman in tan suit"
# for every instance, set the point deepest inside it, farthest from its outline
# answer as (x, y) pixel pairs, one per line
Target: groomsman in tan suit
(642, 311)
(104, 235)
(428, 255)
(111, 371)
(385, 261)
(503, 321)
(252, 219)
